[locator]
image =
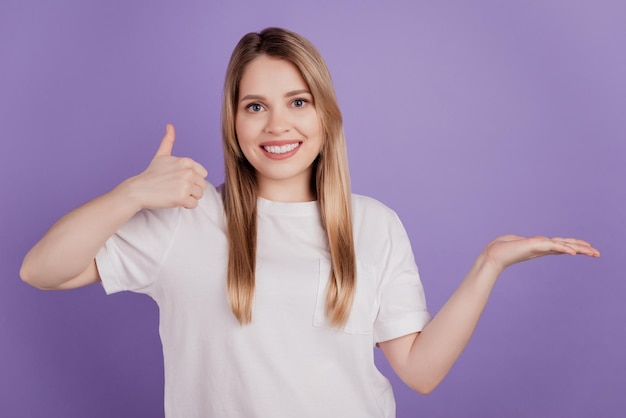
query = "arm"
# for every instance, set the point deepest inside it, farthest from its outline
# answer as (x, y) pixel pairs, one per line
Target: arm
(423, 359)
(64, 258)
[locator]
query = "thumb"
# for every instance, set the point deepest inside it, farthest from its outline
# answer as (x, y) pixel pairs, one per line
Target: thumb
(167, 143)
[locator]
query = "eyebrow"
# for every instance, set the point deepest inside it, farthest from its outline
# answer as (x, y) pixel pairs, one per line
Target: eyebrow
(288, 94)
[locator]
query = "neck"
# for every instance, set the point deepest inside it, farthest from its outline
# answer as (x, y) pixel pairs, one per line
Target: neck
(292, 190)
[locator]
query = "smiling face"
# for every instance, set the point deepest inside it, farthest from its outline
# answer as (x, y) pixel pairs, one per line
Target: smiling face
(278, 128)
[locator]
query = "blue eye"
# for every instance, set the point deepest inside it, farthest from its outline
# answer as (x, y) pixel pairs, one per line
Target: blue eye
(299, 102)
(254, 107)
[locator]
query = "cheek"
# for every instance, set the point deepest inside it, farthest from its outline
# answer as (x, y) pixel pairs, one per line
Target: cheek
(312, 125)
(247, 129)
(316, 128)
(242, 131)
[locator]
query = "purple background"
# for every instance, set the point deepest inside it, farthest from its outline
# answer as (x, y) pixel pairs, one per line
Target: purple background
(470, 119)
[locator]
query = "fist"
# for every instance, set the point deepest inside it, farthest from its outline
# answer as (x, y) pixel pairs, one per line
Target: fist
(169, 181)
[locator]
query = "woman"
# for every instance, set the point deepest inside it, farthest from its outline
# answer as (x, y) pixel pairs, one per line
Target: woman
(274, 288)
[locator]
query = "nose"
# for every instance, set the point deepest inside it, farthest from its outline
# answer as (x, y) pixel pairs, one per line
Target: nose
(277, 122)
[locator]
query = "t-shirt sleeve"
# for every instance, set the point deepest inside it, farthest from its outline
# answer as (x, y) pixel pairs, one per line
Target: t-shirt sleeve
(132, 257)
(402, 308)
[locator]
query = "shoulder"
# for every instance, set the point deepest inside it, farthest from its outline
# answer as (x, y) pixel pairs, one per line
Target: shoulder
(367, 209)
(375, 225)
(380, 239)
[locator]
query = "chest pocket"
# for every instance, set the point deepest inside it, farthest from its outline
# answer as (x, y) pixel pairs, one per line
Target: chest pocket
(363, 310)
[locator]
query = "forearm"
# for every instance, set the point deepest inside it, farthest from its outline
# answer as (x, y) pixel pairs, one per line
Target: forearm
(442, 341)
(71, 244)
(423, 360)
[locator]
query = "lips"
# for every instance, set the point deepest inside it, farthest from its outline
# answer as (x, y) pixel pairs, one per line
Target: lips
(280, 150)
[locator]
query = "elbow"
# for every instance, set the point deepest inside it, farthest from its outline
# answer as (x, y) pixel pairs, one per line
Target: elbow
(424, 387)
(26, 275)
(29, 277)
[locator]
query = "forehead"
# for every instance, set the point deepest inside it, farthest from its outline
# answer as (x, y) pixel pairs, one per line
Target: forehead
(267, 75)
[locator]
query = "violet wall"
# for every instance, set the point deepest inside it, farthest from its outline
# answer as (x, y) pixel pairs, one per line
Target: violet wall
(470, 119)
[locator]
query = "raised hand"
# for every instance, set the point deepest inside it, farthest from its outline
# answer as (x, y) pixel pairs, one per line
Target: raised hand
(168, 181)
(510, 249)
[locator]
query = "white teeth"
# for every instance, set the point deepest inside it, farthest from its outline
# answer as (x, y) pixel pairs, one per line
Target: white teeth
(282, 149)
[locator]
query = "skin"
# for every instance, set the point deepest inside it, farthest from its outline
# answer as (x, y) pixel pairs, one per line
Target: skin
(270, 113)
(276, 108)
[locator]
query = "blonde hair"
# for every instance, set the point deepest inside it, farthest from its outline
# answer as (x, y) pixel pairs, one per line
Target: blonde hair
(331, 182)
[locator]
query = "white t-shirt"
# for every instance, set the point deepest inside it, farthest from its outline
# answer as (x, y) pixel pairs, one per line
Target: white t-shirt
(288, 362)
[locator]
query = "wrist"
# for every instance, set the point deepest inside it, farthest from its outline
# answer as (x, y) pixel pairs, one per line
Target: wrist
(125, 194)
(485, 268)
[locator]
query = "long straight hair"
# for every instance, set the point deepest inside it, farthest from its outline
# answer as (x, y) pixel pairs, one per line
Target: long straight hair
(331, 182)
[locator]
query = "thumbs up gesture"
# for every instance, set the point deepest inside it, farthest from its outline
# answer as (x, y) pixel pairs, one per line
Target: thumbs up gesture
(168, 181)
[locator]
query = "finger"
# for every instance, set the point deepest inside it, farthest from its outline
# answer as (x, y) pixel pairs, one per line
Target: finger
(201, 182)
(198, 168)
(562, 248)
(190, 202)
(578, 248)
(573, 241)
(196, 192)
(167, 143)
(585, 249)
